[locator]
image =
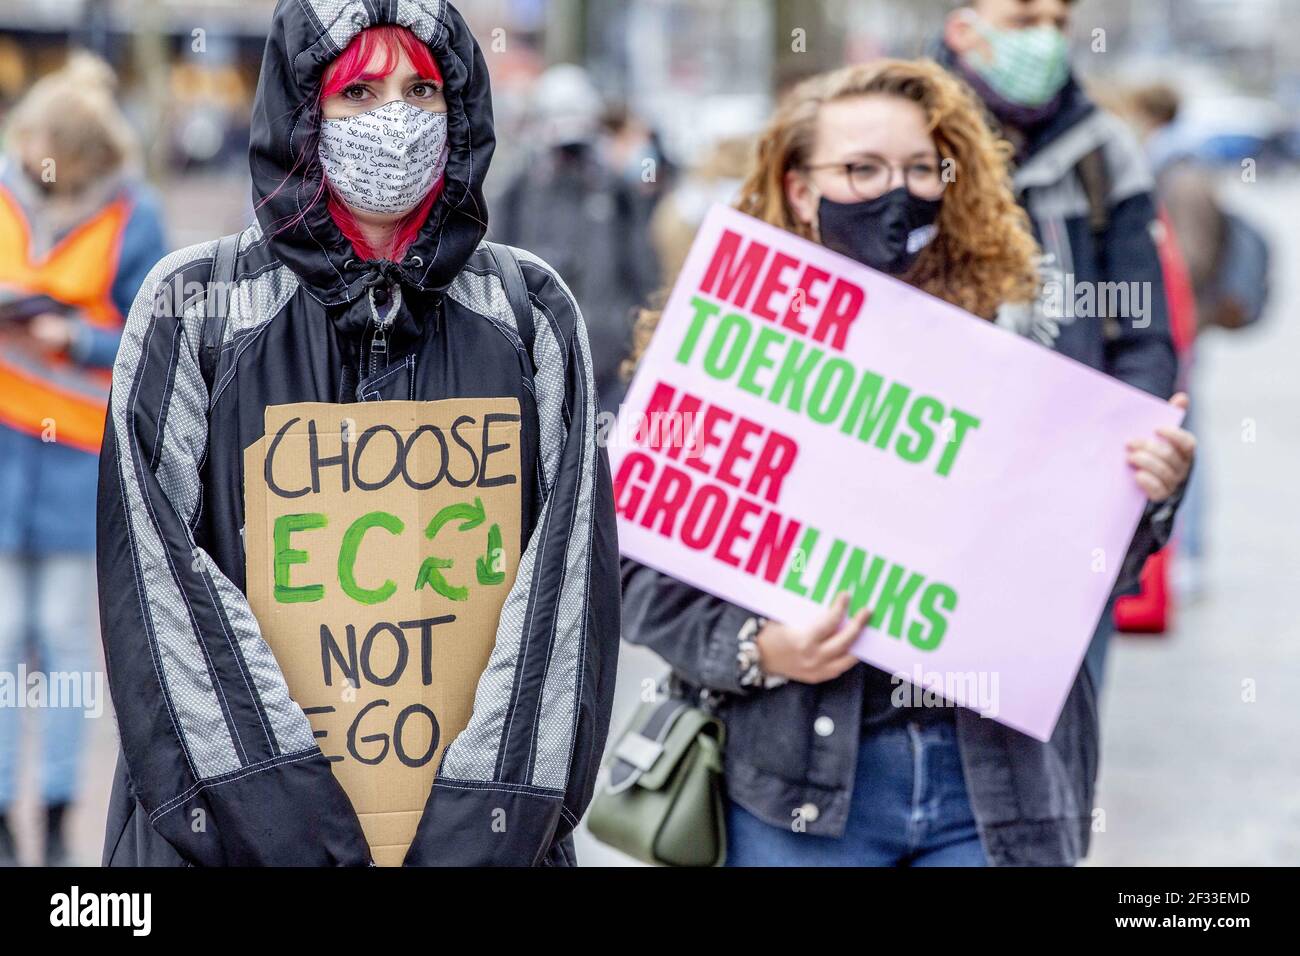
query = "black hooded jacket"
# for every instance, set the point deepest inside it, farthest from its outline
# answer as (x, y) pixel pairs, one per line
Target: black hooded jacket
(219, 765)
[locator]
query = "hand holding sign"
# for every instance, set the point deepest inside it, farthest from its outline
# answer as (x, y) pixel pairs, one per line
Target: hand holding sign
(1163, 463)
(813, 654)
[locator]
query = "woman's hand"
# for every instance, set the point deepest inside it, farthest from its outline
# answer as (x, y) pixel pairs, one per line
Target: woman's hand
(1162, 462)
(814, 654)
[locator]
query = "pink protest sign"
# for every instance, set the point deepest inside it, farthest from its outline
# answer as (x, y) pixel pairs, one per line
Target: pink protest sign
(802, 425)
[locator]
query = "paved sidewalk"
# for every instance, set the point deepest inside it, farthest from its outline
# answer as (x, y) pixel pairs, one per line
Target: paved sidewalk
(1193, 771)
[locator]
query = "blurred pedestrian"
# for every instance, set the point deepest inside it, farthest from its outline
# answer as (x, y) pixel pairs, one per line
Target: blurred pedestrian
(634, 149)
(823, 766)
(1081, 175)
(78, 233)
(715, 178)
(584, 218)
(1227, 257)
(1227, 263)
(365, 278)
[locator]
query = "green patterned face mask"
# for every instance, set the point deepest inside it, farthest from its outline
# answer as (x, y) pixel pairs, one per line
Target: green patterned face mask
(1028, 67)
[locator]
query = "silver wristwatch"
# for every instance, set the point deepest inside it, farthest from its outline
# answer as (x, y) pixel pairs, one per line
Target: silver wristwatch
(748, 659)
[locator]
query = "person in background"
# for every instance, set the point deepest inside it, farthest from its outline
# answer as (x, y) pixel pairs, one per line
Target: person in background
(823, 766)
(1081, 175)
(586, 219)
(1227, 264)
(634, 149)
(76, 226)
(1184, 187)
(1228, 258)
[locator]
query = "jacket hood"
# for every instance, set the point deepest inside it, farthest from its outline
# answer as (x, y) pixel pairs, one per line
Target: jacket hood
(306, 36)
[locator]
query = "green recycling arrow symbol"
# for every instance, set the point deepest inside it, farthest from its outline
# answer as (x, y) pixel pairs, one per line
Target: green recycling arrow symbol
(431, 574)
(470, 517)
(486, 565)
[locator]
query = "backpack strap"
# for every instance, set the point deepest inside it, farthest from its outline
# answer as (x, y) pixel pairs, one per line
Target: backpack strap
(1095, 177)
(217, 305)
(512, 280)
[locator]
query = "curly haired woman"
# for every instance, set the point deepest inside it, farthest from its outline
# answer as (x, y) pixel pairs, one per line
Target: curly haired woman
(889, 163)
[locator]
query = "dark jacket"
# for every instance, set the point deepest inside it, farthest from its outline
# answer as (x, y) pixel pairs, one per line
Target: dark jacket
(581, 217)
(219, 764)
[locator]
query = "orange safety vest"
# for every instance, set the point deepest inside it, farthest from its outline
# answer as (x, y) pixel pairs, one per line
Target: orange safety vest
(52, 396)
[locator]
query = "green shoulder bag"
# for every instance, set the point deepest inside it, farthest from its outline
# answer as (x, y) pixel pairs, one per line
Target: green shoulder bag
(660, 800)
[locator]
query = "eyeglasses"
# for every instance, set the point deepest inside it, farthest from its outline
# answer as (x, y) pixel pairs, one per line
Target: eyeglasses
(872, 176)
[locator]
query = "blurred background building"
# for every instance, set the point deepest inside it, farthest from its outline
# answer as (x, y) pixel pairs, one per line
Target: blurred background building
(693, 69)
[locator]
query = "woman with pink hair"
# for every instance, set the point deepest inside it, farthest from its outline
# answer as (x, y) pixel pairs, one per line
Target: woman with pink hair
(365, 278)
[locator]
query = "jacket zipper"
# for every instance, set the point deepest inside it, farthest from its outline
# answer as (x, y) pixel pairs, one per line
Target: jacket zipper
(378, 357)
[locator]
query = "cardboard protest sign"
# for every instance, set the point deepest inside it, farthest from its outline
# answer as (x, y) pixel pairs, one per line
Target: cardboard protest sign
(802, 425)
(381, 541)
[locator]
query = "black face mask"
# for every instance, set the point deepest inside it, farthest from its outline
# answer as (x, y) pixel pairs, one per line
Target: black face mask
(879, 232)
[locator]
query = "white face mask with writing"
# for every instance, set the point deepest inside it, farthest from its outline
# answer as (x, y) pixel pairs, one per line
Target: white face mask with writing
(384, 161)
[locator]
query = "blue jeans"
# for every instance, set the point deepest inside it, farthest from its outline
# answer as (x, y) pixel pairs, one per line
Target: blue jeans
(909, 808)
(1094, 659)
(47, 624)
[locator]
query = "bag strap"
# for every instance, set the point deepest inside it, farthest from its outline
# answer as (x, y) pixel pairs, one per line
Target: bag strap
(512, 280)
(217, 306)
(1095, 178)
(642, 743)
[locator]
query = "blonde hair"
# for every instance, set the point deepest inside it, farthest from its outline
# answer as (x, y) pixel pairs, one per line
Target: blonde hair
(74, 117)
(984, 255)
